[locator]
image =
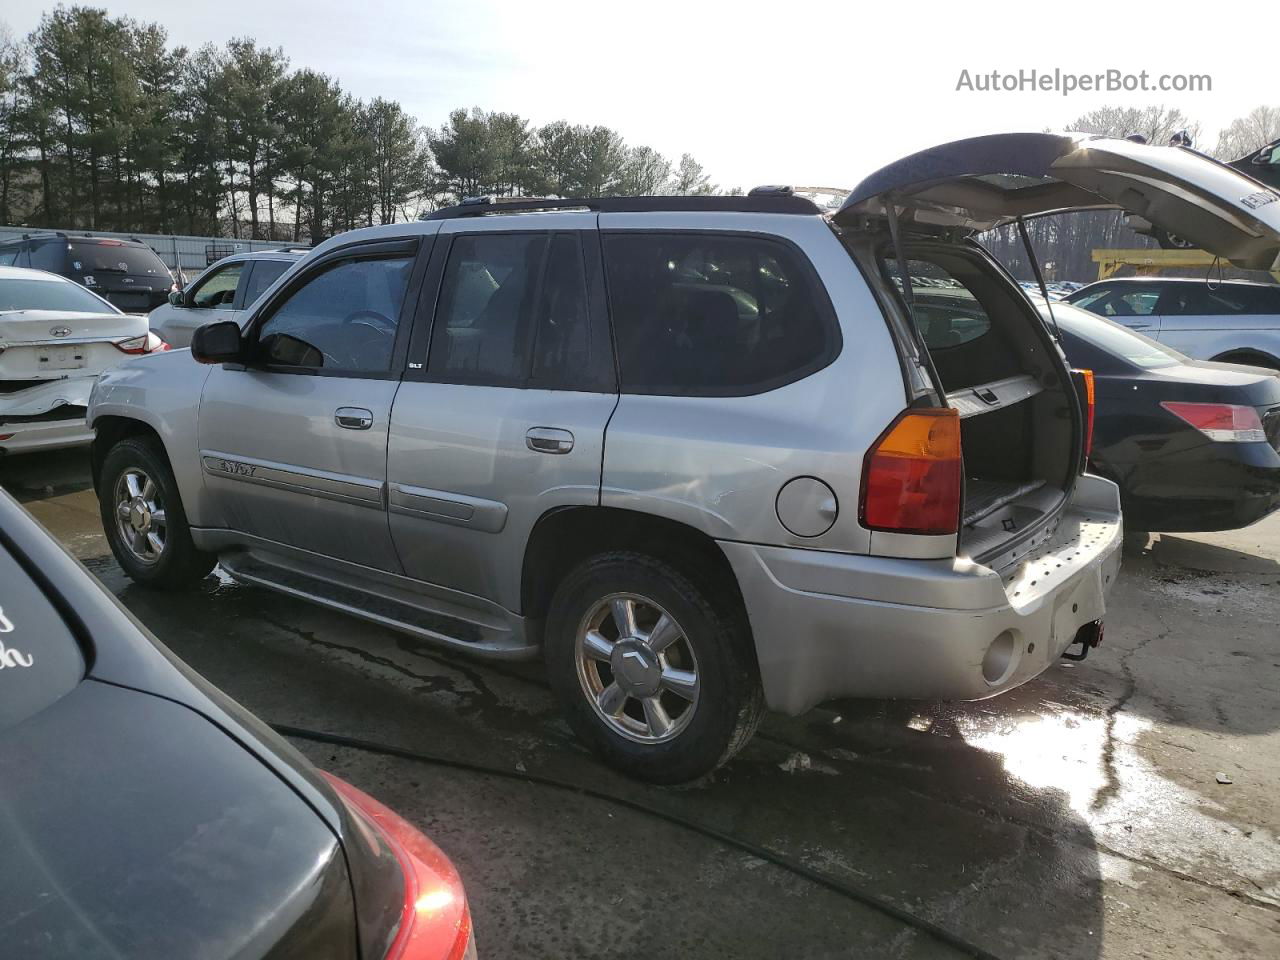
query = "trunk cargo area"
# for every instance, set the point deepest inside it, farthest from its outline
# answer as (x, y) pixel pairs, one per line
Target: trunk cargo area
(999, 368)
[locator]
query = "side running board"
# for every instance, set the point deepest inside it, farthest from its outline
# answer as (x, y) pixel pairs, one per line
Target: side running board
(476, 637)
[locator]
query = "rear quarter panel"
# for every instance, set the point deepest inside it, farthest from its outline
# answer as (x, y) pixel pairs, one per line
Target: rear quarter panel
(718, 463)
(162, 390)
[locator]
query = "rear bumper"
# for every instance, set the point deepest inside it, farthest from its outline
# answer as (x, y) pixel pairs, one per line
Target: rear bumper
(830, 625)
(1216, 486)
(44, 435)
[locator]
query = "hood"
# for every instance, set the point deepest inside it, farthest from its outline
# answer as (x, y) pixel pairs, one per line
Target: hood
(985, 182)
(62, 326)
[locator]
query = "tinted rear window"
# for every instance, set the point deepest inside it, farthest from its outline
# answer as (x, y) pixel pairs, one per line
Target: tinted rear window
(1113, 339)
(1207, 299)
(110, 256)
(265, 273)
(715, 314)
(945, 311)
(49, 294)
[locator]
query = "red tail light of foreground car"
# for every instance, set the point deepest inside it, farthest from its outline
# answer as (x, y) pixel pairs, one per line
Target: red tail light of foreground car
(435, 922)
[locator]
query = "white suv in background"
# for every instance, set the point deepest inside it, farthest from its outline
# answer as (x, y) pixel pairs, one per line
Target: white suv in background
(223, 292)
(1235, 321)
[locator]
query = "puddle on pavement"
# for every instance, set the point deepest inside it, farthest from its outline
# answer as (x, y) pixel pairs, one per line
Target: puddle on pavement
(1120, 794)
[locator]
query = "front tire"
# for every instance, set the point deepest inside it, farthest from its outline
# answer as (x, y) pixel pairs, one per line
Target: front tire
(654, 673)
(143, 517)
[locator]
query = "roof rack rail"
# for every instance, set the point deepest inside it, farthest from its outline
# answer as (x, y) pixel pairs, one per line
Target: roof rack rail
(758, 203)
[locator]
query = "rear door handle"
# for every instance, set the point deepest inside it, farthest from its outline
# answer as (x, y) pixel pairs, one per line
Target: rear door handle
(548, 440)
(353, 418)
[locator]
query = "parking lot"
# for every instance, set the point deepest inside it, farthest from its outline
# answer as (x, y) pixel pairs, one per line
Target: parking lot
(1127, 806)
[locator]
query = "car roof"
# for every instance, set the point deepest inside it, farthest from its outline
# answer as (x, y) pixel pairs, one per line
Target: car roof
(289, 255)
(28, 273)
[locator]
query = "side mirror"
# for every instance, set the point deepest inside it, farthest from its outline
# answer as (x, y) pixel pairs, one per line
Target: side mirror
(219, 342)
(178, 298)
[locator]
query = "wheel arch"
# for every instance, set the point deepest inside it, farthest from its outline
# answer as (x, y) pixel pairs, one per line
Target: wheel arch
(565, 536)
(110, 430)
(1248, 356)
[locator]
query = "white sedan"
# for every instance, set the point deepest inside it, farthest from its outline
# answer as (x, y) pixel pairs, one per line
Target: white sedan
(55, 338)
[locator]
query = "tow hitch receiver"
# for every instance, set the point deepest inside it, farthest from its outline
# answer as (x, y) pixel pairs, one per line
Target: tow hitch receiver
(1088, 636)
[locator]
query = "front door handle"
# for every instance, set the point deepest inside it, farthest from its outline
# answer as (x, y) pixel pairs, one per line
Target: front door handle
(548, 440)
(353, 418)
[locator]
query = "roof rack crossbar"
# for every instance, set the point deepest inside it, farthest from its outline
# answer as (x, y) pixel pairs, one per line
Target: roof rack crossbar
(760, 203)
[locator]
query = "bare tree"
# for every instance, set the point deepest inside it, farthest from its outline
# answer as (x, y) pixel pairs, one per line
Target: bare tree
(1247, 134)
(1156, 123)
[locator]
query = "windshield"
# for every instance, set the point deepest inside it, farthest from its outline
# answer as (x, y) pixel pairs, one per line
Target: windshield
(1115, 339)
(115, 257)
(49, 295)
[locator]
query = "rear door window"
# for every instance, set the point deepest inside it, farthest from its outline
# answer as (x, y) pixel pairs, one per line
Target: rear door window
(715, 314)
(513, 312)
(1207, 300)
(265, 273)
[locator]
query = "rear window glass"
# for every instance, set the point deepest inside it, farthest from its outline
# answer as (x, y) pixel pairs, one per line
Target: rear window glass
(945, 311)
(48, 256)
(715, 314)
(1213, 300)
(1114, 339)
(49, 294)
(115, 257)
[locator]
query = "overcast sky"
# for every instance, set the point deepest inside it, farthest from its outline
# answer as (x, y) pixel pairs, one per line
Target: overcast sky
(786, 92)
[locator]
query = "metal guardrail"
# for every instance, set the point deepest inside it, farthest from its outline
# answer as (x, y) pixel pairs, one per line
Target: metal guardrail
(1148, 262)
(191, 253)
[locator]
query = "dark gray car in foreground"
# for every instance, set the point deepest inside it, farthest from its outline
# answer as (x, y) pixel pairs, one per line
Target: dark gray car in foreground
(144, 814)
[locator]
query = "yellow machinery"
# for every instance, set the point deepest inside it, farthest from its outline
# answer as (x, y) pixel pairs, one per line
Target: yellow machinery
(1148, 263)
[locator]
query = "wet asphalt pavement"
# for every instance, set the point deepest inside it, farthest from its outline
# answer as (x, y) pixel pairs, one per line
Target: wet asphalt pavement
(1080, 816)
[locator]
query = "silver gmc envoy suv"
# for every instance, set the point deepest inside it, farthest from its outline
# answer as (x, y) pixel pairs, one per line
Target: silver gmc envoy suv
(699, 451)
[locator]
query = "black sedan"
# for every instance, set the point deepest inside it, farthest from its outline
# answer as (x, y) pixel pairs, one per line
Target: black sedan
(145, 814)
(1193, 445)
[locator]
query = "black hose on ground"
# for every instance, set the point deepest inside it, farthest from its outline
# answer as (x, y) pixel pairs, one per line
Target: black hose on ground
(856, 894)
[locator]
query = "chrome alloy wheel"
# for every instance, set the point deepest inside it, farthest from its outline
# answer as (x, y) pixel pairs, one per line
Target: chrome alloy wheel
(637, 668)
(140, 517)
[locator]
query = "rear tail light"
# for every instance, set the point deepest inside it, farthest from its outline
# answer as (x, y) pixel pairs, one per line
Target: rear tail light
(147, 343)
(911, 478)
(1088, 398)
(435, 922)
(1220, 421)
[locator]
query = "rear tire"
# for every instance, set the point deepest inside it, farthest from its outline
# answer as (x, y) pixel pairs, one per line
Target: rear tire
(680, 645)
(143, 517)
(1250, 360)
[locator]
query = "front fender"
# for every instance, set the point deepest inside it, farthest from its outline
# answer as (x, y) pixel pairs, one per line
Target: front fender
(162, 392)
